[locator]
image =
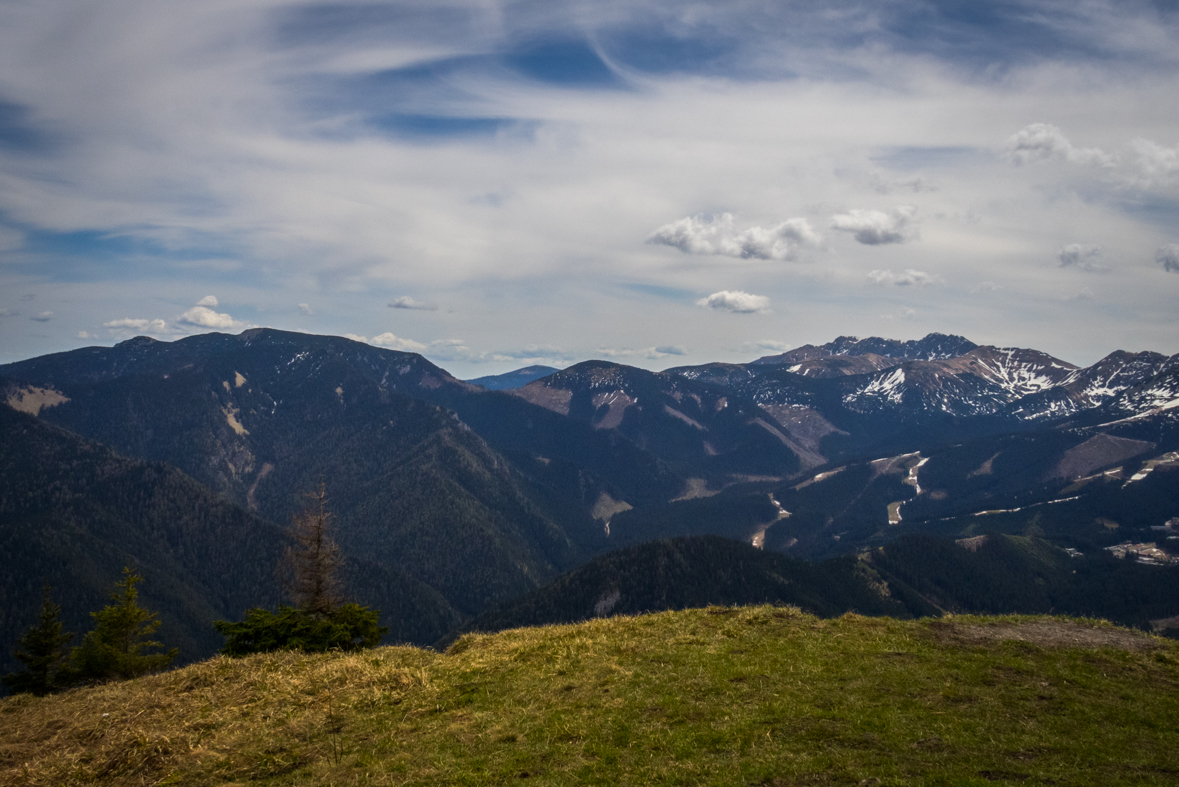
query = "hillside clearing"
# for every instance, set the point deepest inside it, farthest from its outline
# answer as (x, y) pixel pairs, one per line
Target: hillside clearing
(719, 696)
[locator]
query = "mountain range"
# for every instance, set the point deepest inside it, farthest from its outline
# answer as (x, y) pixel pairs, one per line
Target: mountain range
(454, 498)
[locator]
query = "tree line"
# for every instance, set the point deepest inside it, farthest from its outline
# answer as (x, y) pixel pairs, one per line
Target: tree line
(120, 644)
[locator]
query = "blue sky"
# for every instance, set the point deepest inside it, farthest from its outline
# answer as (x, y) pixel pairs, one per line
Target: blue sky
(496, 184)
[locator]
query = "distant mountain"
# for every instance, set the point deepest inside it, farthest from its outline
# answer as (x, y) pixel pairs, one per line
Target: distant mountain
(1092, 386)
(935, 346)
(910, 577)
(697, 428)
(979, 382)
(73, 513)
(515, 379)
(697, 571)
(264, 416)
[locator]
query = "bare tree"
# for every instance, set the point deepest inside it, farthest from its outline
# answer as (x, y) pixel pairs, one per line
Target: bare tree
(308, 571)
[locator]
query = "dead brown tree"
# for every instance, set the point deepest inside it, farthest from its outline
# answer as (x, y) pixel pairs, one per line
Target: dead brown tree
(309, 566)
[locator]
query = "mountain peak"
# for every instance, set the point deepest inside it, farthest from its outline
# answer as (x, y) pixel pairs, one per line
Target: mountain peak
(933, 347)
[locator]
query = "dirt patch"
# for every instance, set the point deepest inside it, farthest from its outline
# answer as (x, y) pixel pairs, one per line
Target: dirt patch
(555, 399)
(33, 400)
(1097, 452)
(1047, 634)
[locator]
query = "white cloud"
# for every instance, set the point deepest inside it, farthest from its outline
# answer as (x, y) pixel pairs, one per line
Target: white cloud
(903, 278)
(204, 317)
(1081, 256)
(305, 308)
(905, 313)
(1168, 257)
(717, 235)
(397, 343)
(886, 184)
(6, 312)
(83, 335)
(406, 302)
(127, 323)
(767, 344)
(208, 300)
(735, 301)
(1156, 163)
(874, 227)
(42, 317)
(1044, 142)
(650, 353)
(356, 338)
(553, 356)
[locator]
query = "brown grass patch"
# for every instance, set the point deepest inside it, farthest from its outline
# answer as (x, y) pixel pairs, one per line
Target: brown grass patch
(1054, 633)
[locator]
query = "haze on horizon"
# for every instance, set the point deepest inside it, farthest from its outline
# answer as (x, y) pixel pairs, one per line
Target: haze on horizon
(496, 184)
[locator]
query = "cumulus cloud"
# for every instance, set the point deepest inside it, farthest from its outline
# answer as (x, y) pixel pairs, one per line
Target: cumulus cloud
(1081, 256)
(356, 337)
(1168, 257)
(735, 301)
(208, 300)
(406, 302)
(875, 227)
(1045, 142)
(83, 335)
(718, 235)
(903, 278)
(204, 317)
(132, 324)
(305, 308)
(1155, 163)
(398, 343)
(42, 317)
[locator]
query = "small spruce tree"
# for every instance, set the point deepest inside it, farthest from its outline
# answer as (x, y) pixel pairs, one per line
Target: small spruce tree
(308, 572)
(118, 645)
(319, 620)
(42, 650)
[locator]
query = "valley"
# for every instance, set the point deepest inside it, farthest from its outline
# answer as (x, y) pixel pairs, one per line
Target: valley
(454, 501)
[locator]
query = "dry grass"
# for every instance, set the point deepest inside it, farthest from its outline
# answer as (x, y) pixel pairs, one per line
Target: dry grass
(758, 695)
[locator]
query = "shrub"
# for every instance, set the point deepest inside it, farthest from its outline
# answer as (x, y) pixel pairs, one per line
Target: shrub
(348, 627)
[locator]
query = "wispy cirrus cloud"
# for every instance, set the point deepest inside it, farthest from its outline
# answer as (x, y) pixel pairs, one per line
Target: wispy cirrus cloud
(351, 143)
(137, 324)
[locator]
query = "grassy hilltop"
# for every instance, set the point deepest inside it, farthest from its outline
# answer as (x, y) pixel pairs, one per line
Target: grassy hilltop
(724, 696)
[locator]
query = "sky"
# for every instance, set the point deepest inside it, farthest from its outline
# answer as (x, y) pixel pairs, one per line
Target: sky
(495, 184)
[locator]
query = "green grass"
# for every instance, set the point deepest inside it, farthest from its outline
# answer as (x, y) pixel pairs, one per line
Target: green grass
(748, 696)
